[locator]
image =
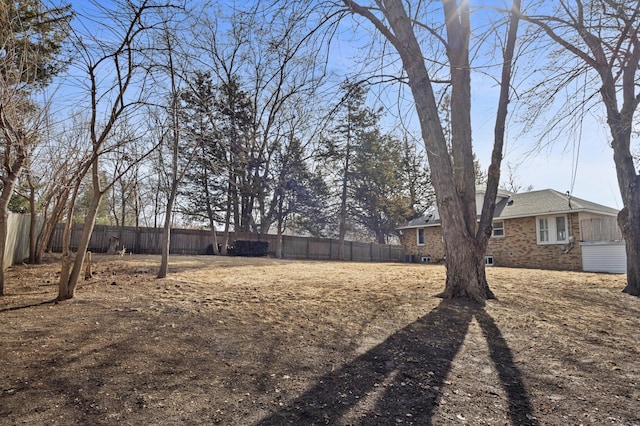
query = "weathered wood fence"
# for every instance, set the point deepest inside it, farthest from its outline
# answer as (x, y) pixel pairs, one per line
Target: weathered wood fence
(601, 229)
(195, 241)
(17, 247)
(329, 249)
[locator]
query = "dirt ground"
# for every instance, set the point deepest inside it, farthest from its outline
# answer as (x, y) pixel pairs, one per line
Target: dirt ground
(239, 341)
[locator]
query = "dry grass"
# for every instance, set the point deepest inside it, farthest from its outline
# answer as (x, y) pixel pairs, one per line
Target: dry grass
(264, 341)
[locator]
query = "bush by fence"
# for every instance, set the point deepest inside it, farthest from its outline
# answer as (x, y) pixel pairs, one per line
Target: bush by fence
(194, 241)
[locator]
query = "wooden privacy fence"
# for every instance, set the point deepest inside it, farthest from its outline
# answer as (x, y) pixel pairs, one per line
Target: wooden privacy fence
(17, 247)
(329, 249)
(601, 229)
(195, 241)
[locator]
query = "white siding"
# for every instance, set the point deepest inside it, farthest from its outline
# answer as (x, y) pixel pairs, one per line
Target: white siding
(604, 257)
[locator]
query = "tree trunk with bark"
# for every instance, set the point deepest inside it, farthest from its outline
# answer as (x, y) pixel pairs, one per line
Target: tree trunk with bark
(452, 172)
(70, 273)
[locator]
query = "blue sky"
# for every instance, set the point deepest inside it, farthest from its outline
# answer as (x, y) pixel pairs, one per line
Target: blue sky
(578, 160)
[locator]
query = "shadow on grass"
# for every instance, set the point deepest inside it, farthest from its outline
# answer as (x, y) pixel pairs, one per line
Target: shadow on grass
(402, 378)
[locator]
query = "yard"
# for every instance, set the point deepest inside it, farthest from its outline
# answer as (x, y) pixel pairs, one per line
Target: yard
(240, 341)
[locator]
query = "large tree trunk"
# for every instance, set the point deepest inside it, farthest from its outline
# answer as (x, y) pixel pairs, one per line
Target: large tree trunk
(631, 232)
(621, 125)
(456, 204)
(629, 183)
(465, 268)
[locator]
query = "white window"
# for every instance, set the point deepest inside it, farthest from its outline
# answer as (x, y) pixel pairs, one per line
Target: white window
(552, 229)
(420, 236)
(498, 229)
(543, 230)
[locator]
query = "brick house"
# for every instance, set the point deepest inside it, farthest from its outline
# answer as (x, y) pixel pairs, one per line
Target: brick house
(540, 229)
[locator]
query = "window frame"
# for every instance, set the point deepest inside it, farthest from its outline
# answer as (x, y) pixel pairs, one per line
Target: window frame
(418, 232)
(552, 229)
(493, 229)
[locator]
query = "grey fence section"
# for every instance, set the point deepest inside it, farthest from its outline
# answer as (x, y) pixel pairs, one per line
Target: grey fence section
(329, 249)
(600, 229)
(17, 247)
(149, 240)
(196, 241)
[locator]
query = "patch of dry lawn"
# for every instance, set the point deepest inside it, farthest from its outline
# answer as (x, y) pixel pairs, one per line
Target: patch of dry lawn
(263, 341)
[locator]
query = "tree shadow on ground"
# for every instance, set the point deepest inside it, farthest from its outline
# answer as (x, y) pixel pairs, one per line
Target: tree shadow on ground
(402, 378)
(30, 305)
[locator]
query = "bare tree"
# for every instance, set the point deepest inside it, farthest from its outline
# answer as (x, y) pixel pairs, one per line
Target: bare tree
(174, 140)
(454, 181)
(604, 36)
(263, 63)
(512, 182)
(54, 168)
(113, 70)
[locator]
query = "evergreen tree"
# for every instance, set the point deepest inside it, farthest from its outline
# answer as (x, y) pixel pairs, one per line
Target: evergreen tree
(353, 120)
(33, 37)
(234, 115)
(300, 196)
(204, 185)
(389, 185)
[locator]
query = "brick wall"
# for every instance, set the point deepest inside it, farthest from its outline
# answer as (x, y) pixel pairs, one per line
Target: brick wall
(432, 247)
(518, 248)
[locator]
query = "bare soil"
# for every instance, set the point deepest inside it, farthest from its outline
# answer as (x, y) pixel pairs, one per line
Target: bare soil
(239, 341)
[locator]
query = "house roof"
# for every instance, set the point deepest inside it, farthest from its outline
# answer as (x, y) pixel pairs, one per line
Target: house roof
(534, 203)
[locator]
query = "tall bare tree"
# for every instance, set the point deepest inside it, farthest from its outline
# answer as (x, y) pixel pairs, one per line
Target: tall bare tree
(113, 70)
(404, 24)
(174, 139)
(604, 36)
(262, 57)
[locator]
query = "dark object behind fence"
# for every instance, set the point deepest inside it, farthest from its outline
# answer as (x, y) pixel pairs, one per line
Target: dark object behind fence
(250, 248)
